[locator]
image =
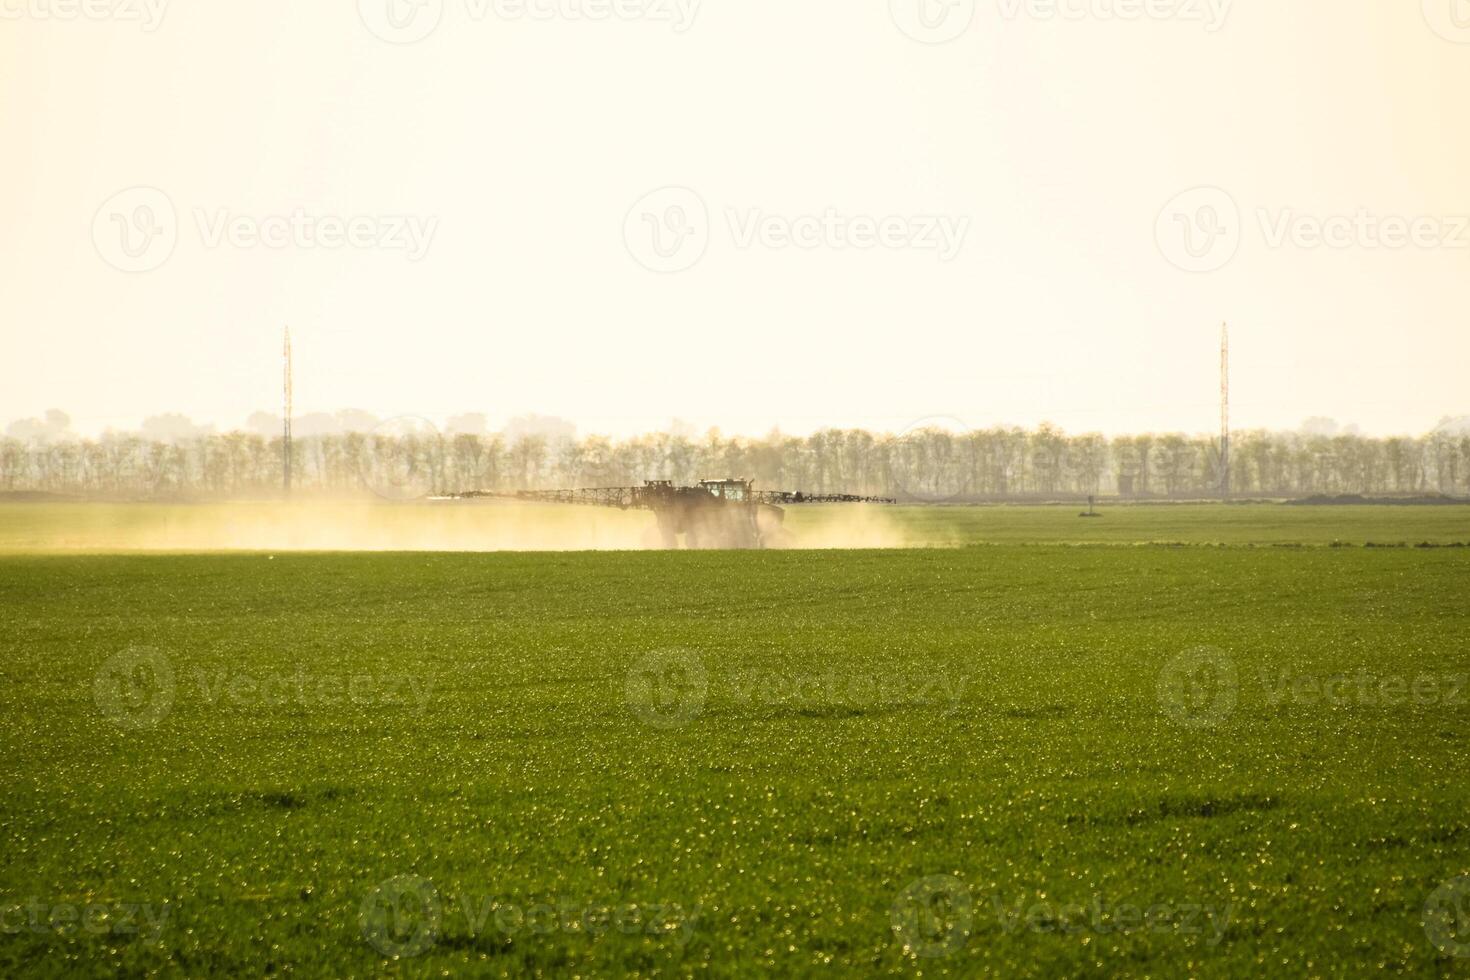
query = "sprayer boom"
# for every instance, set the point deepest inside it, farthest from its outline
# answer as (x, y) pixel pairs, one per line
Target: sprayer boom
(714, 514)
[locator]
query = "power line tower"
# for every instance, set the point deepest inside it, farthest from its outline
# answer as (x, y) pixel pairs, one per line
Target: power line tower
(286, 434)
(1225, 411)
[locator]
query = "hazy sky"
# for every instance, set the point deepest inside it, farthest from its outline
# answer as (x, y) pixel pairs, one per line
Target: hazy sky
(879, 211)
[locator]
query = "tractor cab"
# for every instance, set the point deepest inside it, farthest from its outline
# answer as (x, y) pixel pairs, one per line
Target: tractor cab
(735, 491)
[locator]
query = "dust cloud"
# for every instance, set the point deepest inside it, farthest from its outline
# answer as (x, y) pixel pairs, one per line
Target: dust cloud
(460, 526)
(847, 526)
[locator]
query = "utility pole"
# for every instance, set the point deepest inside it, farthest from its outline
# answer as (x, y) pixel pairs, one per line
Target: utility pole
(1225, 411)
(286, 435)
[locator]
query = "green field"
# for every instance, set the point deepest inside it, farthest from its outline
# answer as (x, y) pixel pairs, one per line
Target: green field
(1179, 748)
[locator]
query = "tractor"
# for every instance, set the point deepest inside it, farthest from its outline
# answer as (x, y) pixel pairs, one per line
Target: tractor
(715, 514)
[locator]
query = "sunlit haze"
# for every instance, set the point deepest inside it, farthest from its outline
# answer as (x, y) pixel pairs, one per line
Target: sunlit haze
(747, 214)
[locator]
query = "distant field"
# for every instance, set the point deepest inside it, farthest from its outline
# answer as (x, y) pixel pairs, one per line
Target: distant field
(1263, 524)
(31, 528)
(1021, 758)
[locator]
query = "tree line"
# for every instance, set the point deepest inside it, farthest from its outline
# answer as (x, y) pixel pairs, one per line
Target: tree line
(928, 465)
